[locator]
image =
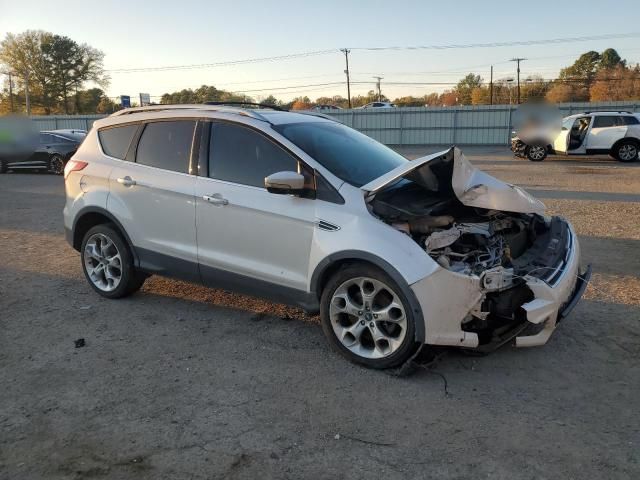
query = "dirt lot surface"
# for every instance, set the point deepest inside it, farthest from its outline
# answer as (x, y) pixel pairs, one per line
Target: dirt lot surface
(181, 382)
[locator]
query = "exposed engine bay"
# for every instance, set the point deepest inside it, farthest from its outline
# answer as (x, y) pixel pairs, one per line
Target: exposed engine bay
(469, 240)
(497, 247)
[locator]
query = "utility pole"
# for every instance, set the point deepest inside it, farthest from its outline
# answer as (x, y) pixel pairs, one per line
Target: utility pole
(26, 93)
(378, 85)
(10, 92)
(346, 59)
(518, 60)
(491, 87)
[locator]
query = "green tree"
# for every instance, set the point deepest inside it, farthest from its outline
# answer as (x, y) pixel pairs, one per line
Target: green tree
(580, 75)
(56, 66)
(71, 66)
(410, 101)
(107, 106)
(22, 55)
(202, 94)
(465, 87)
(610, 59)
(271, 100)
(87, 101)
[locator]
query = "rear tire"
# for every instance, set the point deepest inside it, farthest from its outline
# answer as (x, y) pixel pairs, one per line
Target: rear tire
(536, 153)
(108, 264)
(367, 318)
(56, 164)
(625, 151)
(3, 166)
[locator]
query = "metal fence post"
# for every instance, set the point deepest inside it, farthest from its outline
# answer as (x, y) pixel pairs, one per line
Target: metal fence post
(509, 127)
(55, 119)
(455, 125)
(401, 126)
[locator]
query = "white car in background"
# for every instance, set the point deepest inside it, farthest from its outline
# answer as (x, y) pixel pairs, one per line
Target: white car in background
(301, 209)
(590, 133)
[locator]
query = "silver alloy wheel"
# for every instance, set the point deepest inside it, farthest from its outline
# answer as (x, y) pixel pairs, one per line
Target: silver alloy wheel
(537, 152)
(628, 152)
(102, 262)
(368, 317)
(56, 165)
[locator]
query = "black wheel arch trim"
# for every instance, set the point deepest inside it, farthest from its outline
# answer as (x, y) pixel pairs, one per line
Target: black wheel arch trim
(358, 255)
(113, 219)
(629, 139)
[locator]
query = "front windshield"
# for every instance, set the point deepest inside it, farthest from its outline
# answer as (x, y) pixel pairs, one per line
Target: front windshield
(348, 154)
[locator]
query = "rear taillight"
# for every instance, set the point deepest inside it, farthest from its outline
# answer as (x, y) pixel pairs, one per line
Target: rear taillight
(73, 166)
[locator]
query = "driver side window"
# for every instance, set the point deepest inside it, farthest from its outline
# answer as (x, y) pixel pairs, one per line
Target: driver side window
(241, 155)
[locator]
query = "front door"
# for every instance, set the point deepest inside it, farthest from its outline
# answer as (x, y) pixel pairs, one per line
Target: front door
(242, 229)
(572, 139)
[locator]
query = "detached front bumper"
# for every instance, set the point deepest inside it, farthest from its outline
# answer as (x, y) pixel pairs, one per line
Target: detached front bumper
(555, 295)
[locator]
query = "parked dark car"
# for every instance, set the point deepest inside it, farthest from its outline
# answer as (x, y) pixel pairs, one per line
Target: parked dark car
(54, 150)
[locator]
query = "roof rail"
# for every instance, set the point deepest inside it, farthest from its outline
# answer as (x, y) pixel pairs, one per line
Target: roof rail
(316, 114)
(608, 111)
(195, 106)
(254, 104)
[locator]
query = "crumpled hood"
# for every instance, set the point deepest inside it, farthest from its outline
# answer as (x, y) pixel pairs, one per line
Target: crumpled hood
(473, 187)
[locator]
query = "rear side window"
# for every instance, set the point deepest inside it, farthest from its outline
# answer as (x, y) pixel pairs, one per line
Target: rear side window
(241, 155)
(607, 121)
(166, 145)
(631, 120)
(115, 141)
(46, 138)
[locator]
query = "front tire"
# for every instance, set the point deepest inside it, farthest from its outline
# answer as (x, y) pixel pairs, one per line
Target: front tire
(536, 153)
(3, 166)
(108, 264)
(625, 151)
(367, 318)
(56, 164)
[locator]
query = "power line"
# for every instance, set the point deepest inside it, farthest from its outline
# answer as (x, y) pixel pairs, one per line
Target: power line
(335, 50)
(221, 64)
(506, 44)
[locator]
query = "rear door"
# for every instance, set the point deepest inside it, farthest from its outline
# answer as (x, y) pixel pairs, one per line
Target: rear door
(606, 130)
(242, 228)
(152, 195)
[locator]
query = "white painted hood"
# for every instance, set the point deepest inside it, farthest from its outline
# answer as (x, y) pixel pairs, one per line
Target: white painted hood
(473, 187)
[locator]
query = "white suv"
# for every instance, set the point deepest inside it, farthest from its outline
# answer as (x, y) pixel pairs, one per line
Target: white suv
(590, 133)
(298, 208)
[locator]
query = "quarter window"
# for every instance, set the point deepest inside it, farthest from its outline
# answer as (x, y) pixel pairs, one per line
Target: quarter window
(46, 138)
(166, 145)
(629, 120)
(115, 141)
(240, 155)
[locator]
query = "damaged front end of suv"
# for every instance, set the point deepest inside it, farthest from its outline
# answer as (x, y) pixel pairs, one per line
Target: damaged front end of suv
(508, 271)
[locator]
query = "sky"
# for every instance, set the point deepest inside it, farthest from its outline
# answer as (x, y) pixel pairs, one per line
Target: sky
(166, 33)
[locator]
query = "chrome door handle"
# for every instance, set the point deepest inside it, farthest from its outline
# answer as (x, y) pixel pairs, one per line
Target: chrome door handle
(216, 199)
(127, 181)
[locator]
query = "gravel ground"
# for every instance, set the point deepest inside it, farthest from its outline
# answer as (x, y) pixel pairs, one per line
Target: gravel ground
(180, 381)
